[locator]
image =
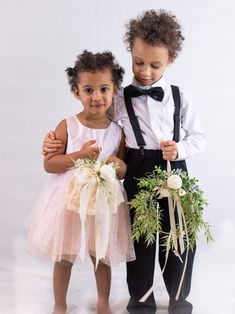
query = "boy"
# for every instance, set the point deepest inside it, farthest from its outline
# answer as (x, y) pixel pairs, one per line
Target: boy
(152, 111)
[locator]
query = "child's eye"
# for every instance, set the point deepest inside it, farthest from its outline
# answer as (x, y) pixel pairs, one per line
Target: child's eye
(104, 89)
(88, 90)
(155, 66)
(139, 63)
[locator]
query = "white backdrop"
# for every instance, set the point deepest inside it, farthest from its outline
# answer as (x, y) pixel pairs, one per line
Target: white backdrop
(39, 39)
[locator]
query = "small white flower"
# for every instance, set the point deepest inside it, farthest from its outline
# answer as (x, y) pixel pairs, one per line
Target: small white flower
(97, 165)
(182, 192)
(174, 182)
(107, 172)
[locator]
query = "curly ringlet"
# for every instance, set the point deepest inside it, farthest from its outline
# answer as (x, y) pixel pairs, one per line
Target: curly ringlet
(156, 28)
(93, 62)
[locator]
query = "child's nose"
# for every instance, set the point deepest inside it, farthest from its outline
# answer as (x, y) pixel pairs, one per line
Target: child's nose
(97, 95)
(146, 70)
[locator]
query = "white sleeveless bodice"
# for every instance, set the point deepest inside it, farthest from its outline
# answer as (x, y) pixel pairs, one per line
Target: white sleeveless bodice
(78, 134)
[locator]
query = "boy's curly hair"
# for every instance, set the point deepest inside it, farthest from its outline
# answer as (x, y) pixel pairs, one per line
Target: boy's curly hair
(92, 62)
(156, 28)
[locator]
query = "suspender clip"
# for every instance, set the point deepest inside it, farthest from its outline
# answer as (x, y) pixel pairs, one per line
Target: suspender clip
(142, 151)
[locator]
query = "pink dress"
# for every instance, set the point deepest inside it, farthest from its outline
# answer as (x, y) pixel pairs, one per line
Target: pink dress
(55, 231)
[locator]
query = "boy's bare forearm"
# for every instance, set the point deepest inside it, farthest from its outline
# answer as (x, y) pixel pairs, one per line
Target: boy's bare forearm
(59, 163)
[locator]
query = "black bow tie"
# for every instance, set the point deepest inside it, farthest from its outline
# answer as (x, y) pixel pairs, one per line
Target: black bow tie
(157, 93)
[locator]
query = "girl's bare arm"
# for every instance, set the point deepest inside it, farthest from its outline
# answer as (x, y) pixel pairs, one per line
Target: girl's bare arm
(59, 161)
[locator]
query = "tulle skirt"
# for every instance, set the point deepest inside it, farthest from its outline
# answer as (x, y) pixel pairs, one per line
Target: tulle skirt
(55, 231)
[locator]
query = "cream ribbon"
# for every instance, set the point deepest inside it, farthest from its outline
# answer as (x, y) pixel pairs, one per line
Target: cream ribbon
(86, 195)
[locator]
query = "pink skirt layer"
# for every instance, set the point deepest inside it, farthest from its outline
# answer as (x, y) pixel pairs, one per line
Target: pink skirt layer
(55, 231)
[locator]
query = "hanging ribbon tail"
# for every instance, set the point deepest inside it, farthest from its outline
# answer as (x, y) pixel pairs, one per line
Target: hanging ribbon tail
(157, 278)
(168, 166)
(182, 277)
(82, 214)
(85, 195)
(147, 294)
(186, 258)
(105, 206)
(171, 208)
(154, 285)
(102, 224)
(181, 228)
(112, 187)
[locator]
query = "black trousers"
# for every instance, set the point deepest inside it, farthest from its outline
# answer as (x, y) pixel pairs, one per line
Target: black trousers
(140, 272)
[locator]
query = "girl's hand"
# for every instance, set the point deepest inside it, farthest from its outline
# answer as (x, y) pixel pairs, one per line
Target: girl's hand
(169, 150)
(122, 167)
(89, 151)
(51, 144)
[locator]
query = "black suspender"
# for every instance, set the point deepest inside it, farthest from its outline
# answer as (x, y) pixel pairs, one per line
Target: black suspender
(176, 98)
(135, 123)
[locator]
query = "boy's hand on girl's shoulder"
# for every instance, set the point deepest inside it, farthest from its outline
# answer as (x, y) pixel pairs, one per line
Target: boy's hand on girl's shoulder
(169, 150)
(50, 143)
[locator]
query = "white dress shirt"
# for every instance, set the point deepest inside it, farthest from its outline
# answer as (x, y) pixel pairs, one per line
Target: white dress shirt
(156, 120)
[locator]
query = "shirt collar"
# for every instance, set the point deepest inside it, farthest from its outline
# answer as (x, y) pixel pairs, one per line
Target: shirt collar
(160, 83)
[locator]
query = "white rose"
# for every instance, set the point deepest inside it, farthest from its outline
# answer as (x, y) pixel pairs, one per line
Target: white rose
(174, 182)
(107, 172)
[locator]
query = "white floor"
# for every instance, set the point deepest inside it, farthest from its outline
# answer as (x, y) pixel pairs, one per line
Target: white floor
(25, 287)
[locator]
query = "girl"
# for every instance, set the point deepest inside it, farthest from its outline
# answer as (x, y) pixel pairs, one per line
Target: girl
(56, 231)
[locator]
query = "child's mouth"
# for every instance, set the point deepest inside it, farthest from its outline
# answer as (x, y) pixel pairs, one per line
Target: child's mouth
(97, 105)
(145, 81)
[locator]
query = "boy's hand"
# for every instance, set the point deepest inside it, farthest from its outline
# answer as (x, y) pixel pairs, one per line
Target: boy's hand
(50, 143)
(169, 150)
(89, 151)
(122, 167)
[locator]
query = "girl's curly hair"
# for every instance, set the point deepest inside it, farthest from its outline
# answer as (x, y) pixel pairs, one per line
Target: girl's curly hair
(92, 62)
(156, 28)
